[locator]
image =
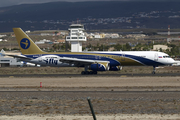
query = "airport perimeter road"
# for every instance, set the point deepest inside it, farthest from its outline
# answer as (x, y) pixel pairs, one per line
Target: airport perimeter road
(90, 82)
(98, 75)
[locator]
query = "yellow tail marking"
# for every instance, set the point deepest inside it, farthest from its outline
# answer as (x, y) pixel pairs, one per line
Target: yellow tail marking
(26, 45)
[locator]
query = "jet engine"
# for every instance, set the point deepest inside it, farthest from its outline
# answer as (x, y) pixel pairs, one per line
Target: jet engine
(99, 67)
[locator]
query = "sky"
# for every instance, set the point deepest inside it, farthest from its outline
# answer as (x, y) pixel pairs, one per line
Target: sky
(4, 3)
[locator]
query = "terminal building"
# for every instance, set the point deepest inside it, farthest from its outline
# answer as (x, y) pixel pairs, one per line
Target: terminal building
(6, 61)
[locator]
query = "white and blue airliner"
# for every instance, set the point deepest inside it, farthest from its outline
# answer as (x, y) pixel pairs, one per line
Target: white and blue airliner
(91, 61)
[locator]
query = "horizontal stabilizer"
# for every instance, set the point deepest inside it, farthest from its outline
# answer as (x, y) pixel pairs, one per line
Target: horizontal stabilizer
(18, 56)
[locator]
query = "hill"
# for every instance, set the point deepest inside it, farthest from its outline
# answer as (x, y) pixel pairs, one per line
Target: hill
(95, 15)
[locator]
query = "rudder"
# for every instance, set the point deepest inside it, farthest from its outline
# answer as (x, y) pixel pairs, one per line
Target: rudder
(26, 45)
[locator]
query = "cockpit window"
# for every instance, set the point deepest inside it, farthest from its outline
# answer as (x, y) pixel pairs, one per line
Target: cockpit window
(166, 56)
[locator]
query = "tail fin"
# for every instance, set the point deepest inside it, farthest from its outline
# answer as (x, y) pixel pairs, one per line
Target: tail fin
(27, 46)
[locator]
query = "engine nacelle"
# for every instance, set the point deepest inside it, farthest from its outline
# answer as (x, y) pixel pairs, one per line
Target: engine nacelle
(99, 67)
(115, 68)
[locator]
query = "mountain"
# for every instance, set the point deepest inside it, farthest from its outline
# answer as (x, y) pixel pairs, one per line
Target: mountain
(95, 15)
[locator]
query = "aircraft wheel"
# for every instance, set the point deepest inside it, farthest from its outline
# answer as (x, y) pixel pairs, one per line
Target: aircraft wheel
(153, 72)
(86, 72)
(94, 72)
(91, 72)
(82, 73)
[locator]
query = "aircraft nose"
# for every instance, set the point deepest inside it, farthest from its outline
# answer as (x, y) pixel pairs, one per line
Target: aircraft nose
(171, 61)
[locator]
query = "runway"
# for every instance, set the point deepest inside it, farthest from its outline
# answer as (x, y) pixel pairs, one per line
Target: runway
(95, 92)
(111, 95)
(98, 75)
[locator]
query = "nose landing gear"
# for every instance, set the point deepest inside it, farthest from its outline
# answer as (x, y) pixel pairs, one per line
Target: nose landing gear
(154, 70)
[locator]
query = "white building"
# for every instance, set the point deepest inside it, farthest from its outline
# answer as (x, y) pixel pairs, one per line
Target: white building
(107, 35)
(45, 34)
(9, 61)
(28, 31)
(2, 36)
(115, 35)
(163, 47)
(42, 41)
(136, 36)
(1, 40)
(76, 37)
(97, 36)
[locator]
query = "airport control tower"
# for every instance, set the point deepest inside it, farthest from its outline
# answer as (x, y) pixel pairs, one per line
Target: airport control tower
(76, 37)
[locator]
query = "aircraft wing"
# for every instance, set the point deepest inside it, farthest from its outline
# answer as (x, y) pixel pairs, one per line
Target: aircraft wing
(18, 56)
(80, 62)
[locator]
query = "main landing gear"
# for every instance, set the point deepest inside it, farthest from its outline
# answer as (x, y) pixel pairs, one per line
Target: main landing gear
(86, 72)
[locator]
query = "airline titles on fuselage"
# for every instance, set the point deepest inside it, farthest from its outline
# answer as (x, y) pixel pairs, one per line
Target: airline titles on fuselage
(51, 61)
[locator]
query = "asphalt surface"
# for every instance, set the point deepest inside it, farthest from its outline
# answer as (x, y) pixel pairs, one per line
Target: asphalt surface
(96, 92)
(98, 75)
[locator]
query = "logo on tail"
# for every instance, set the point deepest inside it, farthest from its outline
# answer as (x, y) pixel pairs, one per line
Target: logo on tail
(25, 43)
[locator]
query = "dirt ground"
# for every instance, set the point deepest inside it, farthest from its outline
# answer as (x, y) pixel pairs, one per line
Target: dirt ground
(113, 98)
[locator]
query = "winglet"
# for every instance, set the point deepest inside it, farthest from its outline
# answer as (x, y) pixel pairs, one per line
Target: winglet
(27, 46)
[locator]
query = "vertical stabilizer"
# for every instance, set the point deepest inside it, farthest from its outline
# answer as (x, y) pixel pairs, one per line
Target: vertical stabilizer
(27, 46)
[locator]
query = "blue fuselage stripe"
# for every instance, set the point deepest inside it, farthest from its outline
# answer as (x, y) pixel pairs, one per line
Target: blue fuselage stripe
(113, 61)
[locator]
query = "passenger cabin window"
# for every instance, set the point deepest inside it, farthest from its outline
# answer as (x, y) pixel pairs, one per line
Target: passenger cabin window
(166, 56)
(5, 60)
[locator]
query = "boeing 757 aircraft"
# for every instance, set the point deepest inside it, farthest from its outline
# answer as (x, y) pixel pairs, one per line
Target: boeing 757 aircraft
(91, 61)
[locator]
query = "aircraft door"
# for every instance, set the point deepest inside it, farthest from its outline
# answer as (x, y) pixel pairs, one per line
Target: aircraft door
(40, 58)
(123, 57)
(156, 56)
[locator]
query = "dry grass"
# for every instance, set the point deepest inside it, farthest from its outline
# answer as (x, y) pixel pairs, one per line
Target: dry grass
(75, 70)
